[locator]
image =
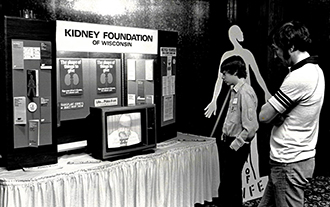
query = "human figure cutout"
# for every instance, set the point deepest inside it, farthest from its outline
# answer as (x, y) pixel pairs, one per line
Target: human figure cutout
(235, 37)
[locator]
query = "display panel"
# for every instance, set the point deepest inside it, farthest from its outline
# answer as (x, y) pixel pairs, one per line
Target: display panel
(87, 79)
(140, 81)
(118, 66)
(31, 78)
(168, 71)
(100, 75)
(29, 93)
(165, 87)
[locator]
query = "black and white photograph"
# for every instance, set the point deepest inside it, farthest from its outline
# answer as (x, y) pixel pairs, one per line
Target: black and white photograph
(164, 103)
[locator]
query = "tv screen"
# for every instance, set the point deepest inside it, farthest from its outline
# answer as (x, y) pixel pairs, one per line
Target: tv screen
(124, 130)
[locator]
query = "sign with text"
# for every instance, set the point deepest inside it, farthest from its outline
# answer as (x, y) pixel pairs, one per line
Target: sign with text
(106, 73)
(253, 185)
(71, 77)
(88, 37)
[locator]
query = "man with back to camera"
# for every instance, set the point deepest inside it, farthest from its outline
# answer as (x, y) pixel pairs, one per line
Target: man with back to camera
(294, 110)
(239, 128)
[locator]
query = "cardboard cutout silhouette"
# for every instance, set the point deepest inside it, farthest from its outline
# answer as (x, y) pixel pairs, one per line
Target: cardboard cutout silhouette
(253, 184)
(236, 36)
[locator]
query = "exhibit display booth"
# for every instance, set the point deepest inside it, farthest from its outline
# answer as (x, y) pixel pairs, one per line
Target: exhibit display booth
(56, 70)
(69, 82)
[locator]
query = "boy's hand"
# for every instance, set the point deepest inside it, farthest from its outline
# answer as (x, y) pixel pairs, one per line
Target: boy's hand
(237, 143)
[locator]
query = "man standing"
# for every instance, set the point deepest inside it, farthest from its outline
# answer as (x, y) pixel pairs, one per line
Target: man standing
(238, 130)
(294, 111)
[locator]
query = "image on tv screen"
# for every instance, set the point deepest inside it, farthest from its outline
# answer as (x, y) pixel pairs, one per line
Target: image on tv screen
(123, 129)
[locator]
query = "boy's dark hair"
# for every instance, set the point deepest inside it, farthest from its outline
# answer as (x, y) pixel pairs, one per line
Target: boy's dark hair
(234, 65)
(292, 33)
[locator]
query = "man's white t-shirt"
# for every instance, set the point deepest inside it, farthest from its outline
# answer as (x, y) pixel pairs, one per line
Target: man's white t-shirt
(300, 100)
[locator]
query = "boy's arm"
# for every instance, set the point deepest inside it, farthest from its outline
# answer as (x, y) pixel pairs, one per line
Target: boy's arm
(249, 121)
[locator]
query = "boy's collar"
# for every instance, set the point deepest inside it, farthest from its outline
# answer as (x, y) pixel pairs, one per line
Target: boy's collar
(239, 84)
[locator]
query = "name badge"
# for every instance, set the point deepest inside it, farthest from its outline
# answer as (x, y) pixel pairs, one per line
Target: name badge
(235, 101)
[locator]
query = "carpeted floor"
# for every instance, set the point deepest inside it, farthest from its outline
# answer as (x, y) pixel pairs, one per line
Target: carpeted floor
(317, 194)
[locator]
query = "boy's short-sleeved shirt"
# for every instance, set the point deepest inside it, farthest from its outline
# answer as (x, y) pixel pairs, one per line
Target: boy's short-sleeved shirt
(300, 100)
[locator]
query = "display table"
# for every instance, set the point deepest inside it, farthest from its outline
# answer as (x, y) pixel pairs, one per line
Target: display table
(183, 171)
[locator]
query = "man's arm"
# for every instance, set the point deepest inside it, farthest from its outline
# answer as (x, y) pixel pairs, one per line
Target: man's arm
(268, 114)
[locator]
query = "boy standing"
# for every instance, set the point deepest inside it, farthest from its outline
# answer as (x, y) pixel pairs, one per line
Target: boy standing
(238, 130)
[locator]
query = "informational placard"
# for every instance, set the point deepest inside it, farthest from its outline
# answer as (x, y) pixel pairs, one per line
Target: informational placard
(71, 77)
(131, 100)
(106, 76)
(20, 110)
(149, 70)
(131, 67)
(72, 105)
(34, 133)
(106, 102)
(168, 108)
(167, 51)
(168, 57)
(17, 57)
(87, 37)
(46, 55)
(140, 92)
(31, 53)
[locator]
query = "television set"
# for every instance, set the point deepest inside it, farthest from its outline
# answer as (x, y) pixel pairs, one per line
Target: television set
(119, 132)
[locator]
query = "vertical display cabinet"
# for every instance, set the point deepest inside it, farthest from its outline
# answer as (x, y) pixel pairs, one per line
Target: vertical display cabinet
(28, 103)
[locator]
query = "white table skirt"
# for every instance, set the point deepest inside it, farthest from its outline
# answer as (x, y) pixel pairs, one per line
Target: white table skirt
(183, 171)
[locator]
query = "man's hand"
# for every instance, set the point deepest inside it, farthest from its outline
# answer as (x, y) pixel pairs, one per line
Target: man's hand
(278, 120)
